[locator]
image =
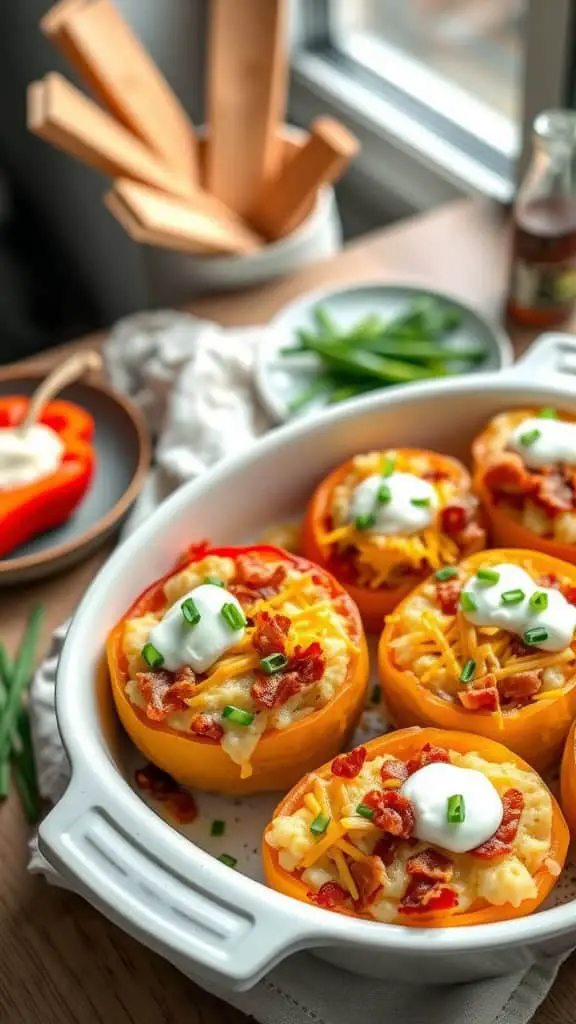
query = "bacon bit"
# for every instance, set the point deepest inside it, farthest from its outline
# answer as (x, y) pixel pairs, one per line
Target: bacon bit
(454, 518)
(570, 594)
(392, 812)
(244, 595)
(428, 755)
(471, 539)
(206, 726)
(394, 770)
(500, 843)
(431, 864)
(270, 633)
(329, 896)
(178, 802)
(447, 595)
(308, 662)
(306, 666)
(162, 695)
(386, 848)
(370, 877)
(182, 806)
(435, 475)
(519, 689)
(552, 492)
(508, 475)
(348, 766)
(423, 895)
(253, 571)
(518, 649)
(549, 579)
(483, 694)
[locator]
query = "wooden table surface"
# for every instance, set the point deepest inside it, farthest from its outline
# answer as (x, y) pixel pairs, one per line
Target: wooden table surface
(61, 962)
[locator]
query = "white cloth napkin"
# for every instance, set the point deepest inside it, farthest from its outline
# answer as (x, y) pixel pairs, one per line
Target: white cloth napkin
(193, 380)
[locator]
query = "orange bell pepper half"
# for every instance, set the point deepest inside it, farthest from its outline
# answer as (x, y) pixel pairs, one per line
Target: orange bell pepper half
(281, 755)
(568, 780)
(504, 522)
(405, 745)
(535, 731)
(376, 602)
(46, 503)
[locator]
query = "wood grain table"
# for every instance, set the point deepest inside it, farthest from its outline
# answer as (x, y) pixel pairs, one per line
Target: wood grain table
(61, 962)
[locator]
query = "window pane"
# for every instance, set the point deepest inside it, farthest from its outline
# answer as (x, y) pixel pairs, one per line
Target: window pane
(476, 45)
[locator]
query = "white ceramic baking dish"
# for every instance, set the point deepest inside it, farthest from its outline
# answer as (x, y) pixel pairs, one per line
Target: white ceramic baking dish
(210, 921)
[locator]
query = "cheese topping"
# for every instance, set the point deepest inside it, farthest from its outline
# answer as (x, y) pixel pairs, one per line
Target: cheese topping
(400, 503)
(545, 442)
(429, 791)
(511, 603)
(27, 455)
(200, 644)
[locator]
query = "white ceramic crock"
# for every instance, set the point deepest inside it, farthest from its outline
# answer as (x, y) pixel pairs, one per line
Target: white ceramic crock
(210, 921)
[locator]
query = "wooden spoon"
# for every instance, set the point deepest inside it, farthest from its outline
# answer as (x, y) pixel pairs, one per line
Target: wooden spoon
(65, 373)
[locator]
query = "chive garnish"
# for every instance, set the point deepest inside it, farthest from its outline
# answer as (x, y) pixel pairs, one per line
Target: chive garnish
(152, 656)
(375, 695)
(447, 573)
(228, 860)
(238, 715)
(320, 824)
(388, 467)
(420, 502)
(384, 495)
(468, 671)
(548, 414)
(529, 438)
(364, 811)
(273, 663)
(190, 611)
(512, 596)
(536, 635)
(539, 601)
(488, 575)
(232, 616)
(467, 602)
(364, 522)
(456, 809)
(218, 828)
(214, 580)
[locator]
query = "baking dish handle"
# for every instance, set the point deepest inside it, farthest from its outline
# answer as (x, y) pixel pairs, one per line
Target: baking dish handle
(217, 924)
(552, 354)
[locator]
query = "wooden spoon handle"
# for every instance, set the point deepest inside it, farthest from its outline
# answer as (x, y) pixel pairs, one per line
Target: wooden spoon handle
(65, 373)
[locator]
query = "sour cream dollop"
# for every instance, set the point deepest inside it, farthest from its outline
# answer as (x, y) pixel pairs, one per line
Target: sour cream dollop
(399, 504)
(545, 442)
(429, 790)
(558, 619)
(28, 454)
(199, 645)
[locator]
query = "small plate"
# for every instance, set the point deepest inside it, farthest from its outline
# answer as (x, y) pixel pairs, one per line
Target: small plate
(122, 459)
(281, 380)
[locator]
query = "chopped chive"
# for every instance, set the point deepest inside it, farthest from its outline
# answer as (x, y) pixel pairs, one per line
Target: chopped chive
(238, 715)
(529, 438)
(488, 575)
(228, 860)
(232, 616)
(512, 596)
(365, 522)
(467, 602)
(384, 495)
(320, 824)
(375, 695)
(420, 502)
(388, 467)
(152, 656)
(535, 636)
(215, 581)
(190, 611)
(467, 673)
(539, 601)
(218, 828)
(548, 414)
(273, 663)
(456, 809)
(364, 811)
(447, 573)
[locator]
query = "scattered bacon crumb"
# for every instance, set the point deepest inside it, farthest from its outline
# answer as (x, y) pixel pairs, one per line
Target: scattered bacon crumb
(549, 579)
(508, 474)
(454, 518)
(206, 726)
(386, 848)
(448, 594)
(162, 694)
(348, 766)
(431, 864)
(178, 802)
(329, 896)
(394, 770)
(253, 571)
(518, 649)
(552, 491)
(500, 843)
(519, 689)
(482, 695)
(370, 877)
(429, 754)
(306, 666)
(270, 633)
(471, 539)
(393, 813)
(423, 895)
(153, 780)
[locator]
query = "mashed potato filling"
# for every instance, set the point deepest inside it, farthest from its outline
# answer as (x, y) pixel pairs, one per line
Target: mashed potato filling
(350, 839)
(315, 617)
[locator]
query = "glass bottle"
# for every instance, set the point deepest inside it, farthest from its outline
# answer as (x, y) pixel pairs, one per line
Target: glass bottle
(542, 289)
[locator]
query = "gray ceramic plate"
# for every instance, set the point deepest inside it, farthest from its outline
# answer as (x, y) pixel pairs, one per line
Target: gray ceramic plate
(122, 458)
(280, 380)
